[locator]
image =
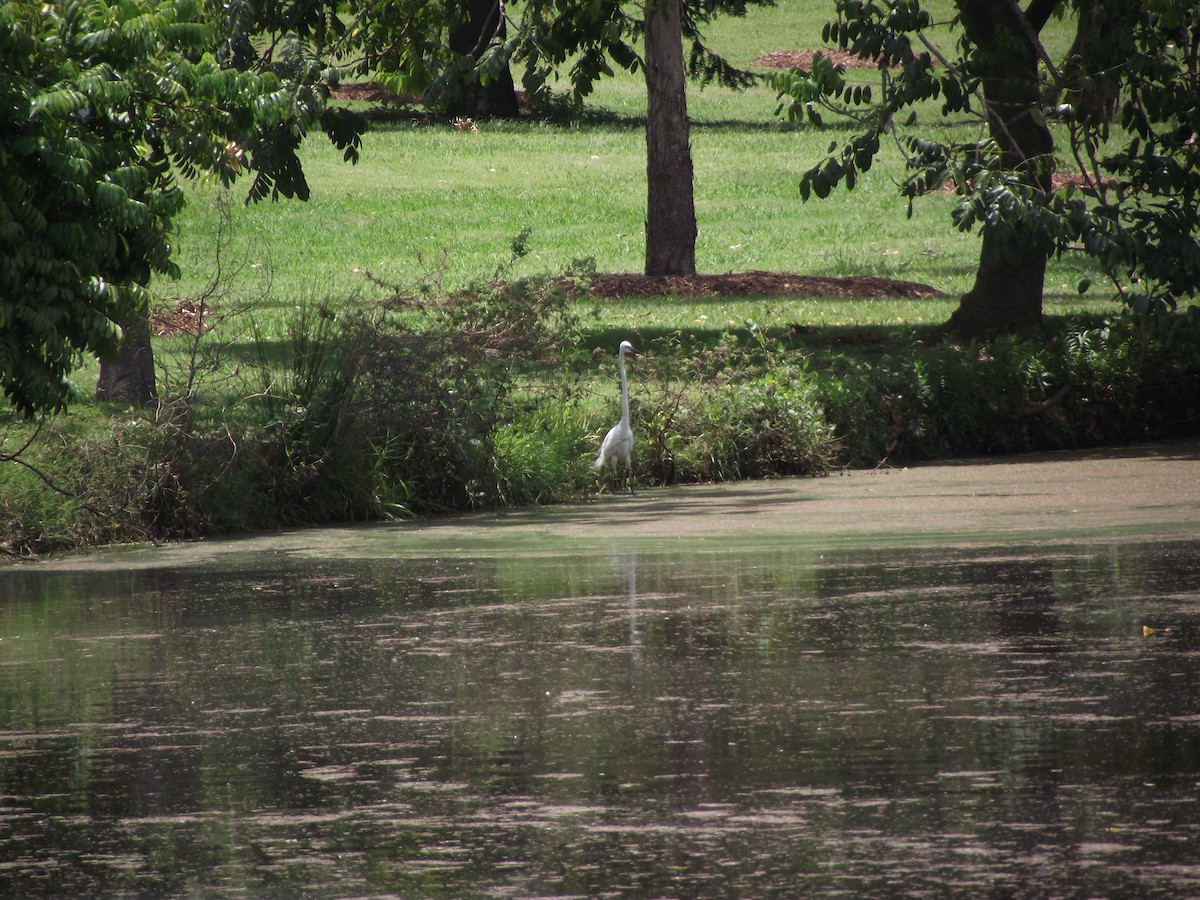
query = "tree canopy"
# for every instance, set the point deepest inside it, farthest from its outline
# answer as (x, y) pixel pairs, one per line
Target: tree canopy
(438, 50)
(100, 105)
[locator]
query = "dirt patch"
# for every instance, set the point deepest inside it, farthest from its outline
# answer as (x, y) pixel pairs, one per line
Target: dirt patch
(618, 285)
(1059, 181)
(186, 318)
(371, 92)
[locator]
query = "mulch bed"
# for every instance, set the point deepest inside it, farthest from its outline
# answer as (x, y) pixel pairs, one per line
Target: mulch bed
(803, 59)
(370, 92)
(1058, 181)
(187, 317)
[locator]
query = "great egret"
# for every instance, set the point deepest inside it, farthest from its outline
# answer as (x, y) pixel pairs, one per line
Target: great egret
(619, 441)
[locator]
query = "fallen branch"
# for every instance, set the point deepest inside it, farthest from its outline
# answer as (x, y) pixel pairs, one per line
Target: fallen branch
(1053, 400)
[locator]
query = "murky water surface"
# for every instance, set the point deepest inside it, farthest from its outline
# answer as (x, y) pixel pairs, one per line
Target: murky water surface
(1000, 721)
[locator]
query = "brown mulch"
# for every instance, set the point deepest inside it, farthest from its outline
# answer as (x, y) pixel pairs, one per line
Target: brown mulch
(370, 91)
(616, 286)
(803, 59)
(187, 317)
(1058, 181)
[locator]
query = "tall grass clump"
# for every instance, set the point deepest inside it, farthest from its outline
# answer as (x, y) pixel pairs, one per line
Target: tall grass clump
(423, 403)
(745, 408)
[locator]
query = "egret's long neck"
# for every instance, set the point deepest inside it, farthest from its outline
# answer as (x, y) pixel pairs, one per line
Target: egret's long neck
(624, 388)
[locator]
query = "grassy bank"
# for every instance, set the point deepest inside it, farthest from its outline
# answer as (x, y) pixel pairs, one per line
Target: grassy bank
(357, 363)
(422, 404)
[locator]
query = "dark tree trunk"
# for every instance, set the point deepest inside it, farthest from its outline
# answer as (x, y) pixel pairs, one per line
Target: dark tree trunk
(670, 209)
(1007, 295)
(130, 377)
(497, 98)
(1100, 96)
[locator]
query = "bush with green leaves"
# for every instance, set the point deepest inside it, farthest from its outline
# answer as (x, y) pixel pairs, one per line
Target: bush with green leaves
(101, 105)
(743, 409)
(1085, 385)
(413, 404)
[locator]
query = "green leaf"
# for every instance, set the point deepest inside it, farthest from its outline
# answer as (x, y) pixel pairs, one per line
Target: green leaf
(59, 103)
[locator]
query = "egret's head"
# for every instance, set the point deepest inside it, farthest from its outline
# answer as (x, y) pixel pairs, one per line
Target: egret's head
(626, 347)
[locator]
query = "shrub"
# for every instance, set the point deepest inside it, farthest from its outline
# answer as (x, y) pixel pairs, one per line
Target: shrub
(1088, 384)
(738, 411)
(411, 405)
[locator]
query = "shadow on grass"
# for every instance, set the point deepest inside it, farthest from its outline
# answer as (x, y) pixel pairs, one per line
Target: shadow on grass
(867, 341)
(825, 345)
(399, 118)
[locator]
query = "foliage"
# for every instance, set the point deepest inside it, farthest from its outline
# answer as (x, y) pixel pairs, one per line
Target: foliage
(411, 404)
(407, 45)
(100, 105)
(587, 36)
(1139, 214)
(1092, 383)
(744, 409)
(1144, 226)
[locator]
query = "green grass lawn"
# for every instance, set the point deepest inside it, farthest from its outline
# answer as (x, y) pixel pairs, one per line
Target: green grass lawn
(429, 198)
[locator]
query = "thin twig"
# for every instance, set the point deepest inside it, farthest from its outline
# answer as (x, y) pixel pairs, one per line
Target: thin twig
(42, 476)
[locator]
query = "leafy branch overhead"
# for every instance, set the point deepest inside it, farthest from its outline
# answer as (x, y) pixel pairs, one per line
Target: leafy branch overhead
(1121, 109)
(588, 35)
(100, 106)
(409, 46)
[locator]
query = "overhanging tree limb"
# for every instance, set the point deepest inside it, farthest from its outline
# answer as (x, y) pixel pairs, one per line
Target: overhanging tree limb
(1143, 234)
(102, 105)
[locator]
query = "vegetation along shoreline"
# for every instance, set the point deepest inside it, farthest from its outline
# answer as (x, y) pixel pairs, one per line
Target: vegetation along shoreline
(235, 296)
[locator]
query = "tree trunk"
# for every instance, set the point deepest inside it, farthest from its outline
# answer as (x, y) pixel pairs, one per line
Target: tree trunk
(130, 377)
(497, 98)
(1007, 295)
(670, 210)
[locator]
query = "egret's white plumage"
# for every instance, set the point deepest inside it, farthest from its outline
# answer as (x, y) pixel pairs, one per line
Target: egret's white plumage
(618, 442)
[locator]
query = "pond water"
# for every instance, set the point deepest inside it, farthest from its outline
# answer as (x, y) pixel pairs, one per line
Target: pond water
(997, 720)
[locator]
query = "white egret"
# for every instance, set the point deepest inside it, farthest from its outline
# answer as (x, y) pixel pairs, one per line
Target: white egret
(618, 442)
